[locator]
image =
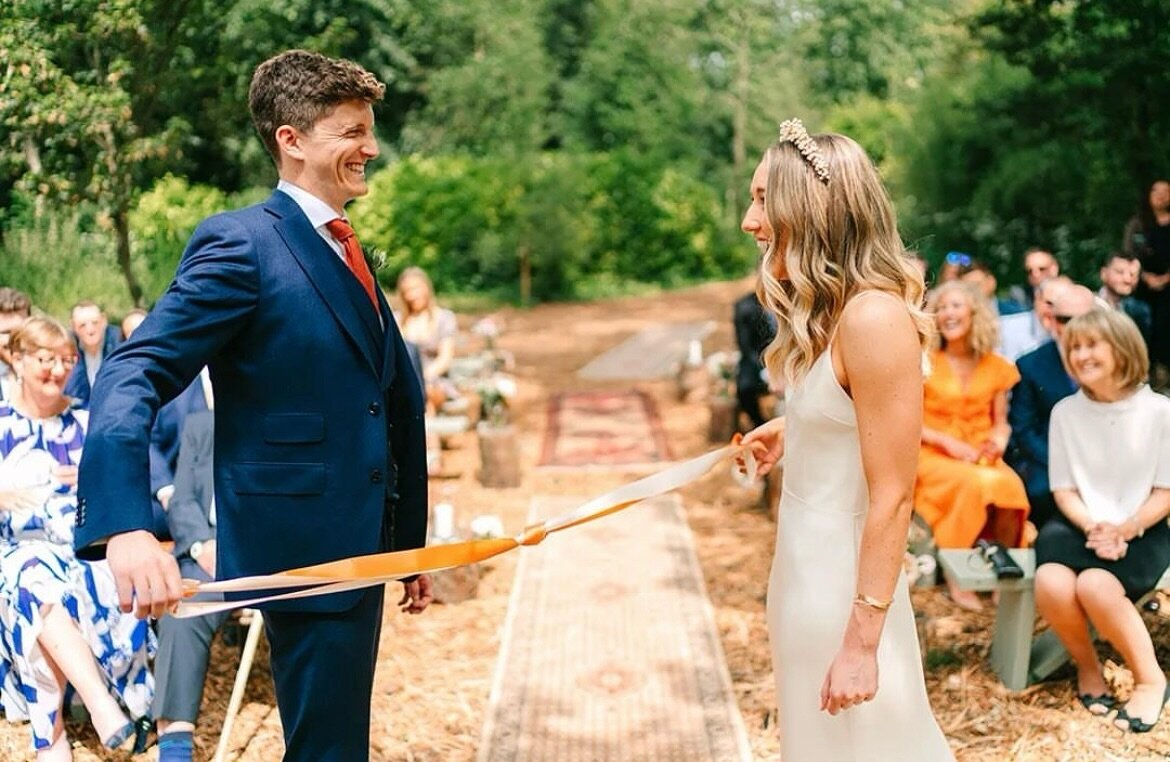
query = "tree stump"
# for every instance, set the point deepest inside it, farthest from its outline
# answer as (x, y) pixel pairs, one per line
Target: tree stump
(499, 456)
(722, 421)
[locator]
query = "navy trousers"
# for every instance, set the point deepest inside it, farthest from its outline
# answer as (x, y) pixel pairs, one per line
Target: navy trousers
(323, 668)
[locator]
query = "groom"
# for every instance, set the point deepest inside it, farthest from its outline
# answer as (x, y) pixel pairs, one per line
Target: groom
(319, 446)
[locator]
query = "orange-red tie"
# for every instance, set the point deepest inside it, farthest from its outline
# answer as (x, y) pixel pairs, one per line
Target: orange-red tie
(344, 234)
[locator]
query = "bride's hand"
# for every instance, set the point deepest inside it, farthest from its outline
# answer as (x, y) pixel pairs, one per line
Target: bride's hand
(852, 679)
(767, 445)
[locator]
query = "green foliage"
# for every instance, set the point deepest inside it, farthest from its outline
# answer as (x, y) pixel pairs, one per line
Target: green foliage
(568, 148)
(161, 223)
(60, 257)
(495, 99)
(583, 222)
(60, 254)
(1039, 130)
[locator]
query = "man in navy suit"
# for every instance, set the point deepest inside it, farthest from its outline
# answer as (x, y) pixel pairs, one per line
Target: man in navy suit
(319, 445)
(96, 339)
(1043, 382)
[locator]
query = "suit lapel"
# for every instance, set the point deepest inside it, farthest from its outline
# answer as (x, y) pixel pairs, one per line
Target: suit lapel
(330, 278)
(388, 348)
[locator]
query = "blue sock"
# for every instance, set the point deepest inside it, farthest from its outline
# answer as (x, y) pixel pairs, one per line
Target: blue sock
(175, 747)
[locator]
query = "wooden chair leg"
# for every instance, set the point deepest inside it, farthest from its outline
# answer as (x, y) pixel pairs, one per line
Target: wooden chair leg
(237, 698)
(1012, 640)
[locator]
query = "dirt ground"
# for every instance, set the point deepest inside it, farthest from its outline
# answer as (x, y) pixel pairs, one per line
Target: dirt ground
(436, 670)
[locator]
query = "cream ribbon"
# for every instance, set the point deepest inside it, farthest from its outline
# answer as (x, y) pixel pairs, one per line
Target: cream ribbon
(380, 568)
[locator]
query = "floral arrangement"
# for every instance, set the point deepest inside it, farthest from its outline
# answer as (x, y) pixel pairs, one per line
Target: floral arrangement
(488, 329)
(495, 393)
(721, 368)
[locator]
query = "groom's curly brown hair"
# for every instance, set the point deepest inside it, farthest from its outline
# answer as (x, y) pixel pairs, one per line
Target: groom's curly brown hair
(300, 87)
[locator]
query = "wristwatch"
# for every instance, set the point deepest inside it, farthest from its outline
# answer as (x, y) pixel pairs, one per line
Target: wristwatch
(195, 550)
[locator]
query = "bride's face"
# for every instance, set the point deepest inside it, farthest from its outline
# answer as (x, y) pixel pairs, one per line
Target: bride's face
(756, 224)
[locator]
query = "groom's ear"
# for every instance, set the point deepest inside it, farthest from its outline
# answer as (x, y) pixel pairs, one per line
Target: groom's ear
(288, 142)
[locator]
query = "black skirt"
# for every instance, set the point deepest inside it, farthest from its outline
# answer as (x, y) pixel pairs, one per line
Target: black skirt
(1144, 563)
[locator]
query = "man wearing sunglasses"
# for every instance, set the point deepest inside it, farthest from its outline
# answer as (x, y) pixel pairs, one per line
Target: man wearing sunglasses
(1043, 382)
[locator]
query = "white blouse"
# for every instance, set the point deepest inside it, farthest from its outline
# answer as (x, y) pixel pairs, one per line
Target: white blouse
(1112, 453)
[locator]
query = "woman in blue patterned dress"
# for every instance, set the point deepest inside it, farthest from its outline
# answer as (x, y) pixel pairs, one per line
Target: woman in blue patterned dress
(59, 618)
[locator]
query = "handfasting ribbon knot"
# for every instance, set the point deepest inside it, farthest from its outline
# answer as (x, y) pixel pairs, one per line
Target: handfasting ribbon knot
(380, 568)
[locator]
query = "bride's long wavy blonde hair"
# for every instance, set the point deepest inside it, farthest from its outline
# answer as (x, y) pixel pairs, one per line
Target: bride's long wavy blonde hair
(836, 239)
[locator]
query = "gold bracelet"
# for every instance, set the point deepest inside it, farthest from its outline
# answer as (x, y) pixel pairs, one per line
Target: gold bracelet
(872, 602)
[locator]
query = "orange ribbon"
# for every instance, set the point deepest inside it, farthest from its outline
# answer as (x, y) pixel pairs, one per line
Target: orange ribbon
(380, 568)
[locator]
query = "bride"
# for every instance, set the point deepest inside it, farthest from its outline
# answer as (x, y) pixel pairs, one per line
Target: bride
(850, 348)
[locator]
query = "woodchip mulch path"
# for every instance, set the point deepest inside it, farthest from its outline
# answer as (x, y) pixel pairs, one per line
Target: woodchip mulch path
(436, 670)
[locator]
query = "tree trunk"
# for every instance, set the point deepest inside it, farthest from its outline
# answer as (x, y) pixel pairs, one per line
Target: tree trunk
(122, 234)
(499, 456)
(525, 276)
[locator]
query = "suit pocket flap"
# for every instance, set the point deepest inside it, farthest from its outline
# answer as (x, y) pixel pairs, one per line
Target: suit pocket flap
(277, 478)
(294, 428)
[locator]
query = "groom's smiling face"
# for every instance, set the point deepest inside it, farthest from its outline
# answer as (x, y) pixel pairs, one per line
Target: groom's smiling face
(335, 152)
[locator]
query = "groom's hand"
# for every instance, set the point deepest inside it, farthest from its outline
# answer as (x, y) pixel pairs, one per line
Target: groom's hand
(146, 575)
(417, 595)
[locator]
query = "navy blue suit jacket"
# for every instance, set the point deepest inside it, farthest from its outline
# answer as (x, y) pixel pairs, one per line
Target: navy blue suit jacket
(319, 441)
(77, 386)
(1043, 382)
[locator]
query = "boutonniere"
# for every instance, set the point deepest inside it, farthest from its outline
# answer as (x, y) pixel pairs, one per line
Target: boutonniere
(376, 259)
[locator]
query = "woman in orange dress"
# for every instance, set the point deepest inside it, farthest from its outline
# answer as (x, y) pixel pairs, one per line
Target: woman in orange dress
(965, 491)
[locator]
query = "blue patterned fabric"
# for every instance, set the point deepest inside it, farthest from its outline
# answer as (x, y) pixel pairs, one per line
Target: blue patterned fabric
(38, 569)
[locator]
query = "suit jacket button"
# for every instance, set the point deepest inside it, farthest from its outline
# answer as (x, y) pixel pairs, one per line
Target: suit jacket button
(375, 408)
(375, 476)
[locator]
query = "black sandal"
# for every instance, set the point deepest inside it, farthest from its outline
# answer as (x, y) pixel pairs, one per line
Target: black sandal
(142, 727)
(1099, 705)
(1136, 724)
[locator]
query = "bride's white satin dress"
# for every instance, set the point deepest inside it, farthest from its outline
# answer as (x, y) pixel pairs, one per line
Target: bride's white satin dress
(812, 587)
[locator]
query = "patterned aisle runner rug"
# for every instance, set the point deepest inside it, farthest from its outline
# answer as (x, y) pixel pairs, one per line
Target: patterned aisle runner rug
(610, 650)
(603, 429)
(650, 354)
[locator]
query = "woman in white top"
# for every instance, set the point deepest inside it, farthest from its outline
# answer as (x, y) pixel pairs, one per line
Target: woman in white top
(1109, 465)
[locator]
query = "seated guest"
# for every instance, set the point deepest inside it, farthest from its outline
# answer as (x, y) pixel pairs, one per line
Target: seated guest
(432, 329)
(184, 644)
(15, 307)
(978, 274)
(167, 432)
(1119, 279)
(96, 338)
(1016, 334)
(1044, 381)
(754, 329)
(59, 617)
(1109, 450)
(1039, 329)
(132, 320)
(965, 491)
(1039, 266)
(952, 266)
